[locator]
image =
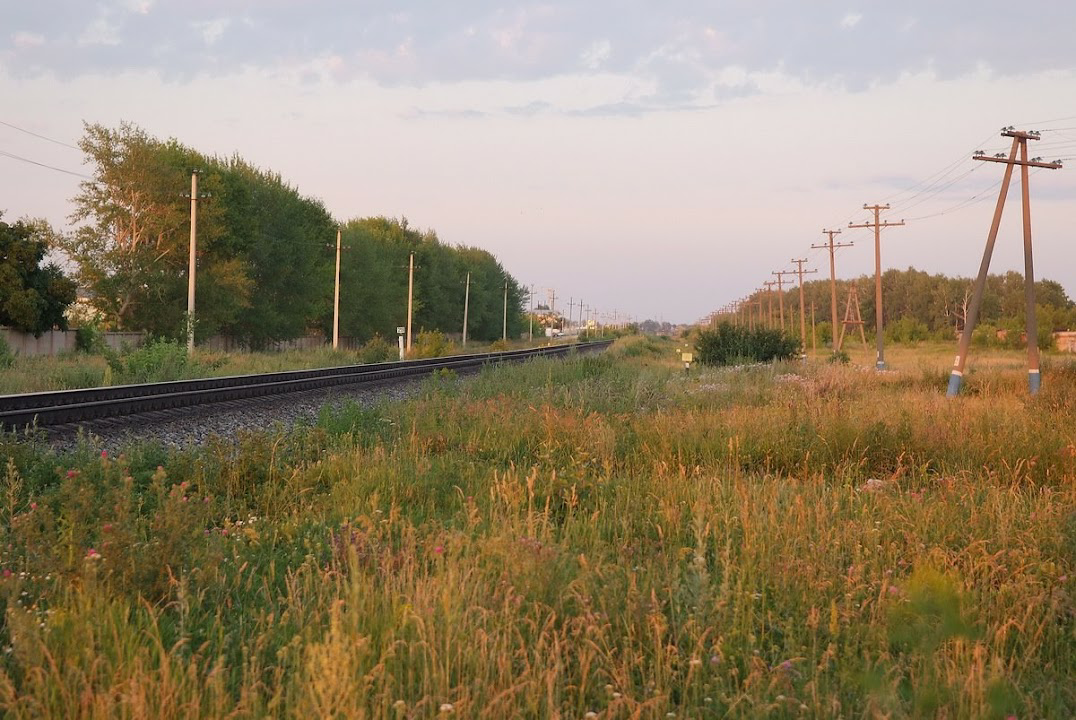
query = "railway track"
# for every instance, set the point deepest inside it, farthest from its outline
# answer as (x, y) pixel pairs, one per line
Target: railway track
(65, 407)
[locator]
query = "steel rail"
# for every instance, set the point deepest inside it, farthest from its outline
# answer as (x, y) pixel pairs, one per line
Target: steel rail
(70, 406)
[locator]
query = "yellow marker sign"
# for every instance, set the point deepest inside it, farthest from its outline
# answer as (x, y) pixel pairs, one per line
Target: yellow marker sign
(686, 357)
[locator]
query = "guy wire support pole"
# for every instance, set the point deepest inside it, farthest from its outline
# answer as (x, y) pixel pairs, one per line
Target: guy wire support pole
(832, 246)
(803, 313)
(410, 296)
(1019, 142)
(781, 292)
(879, 363)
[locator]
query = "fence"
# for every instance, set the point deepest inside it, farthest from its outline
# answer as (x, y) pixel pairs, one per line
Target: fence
(54, 342)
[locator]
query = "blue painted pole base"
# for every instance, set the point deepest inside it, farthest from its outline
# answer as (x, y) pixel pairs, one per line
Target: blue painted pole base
(955, 381)
(879, 365)
(1034, 380)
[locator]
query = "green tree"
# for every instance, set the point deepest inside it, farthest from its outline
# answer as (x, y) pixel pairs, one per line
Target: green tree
(33, 297)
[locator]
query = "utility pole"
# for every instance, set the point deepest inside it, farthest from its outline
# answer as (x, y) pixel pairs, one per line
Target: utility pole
(1019, 143)
(193, 262)
(504, 326)
(769, 300)
(879, 363)
(530, 315)
(466, 302)
(571, 306)
(814, 335)
(833, 277)
(803, 319)
(410, 296)
(781, 292)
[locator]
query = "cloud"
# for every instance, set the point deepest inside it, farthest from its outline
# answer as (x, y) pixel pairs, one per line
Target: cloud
(597, 54)
(212, 30)
(850, 20)
(27, 40)
(679, 46)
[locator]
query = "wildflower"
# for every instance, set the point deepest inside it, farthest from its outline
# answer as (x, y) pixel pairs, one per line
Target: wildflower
(447, 707)
(715, 659)
(591, 714)
(92, 554)
(803, 708)
(106, 528)
(72, 473)
(695, 661)
(439, 549)
(708, 699)
(104, 454)
(33, 506)
(616, 696)
(780, 698)
(7, 573)
(206, 500)
(399, 705)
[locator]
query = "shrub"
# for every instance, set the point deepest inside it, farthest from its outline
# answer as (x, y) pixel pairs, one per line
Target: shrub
(840, 357)
(89, 339)
(7, 358)
(431, 343)
(378, 349)
(907, 330)
(731, 344)
(156, 361)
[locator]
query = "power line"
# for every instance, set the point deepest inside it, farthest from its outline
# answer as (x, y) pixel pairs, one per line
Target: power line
(42, 137)
(44, 165)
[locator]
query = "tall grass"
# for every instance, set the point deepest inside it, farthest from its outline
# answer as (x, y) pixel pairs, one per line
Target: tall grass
(603, 535)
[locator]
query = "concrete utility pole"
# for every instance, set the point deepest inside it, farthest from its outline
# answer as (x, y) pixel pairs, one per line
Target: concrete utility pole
(879, 363)
(769, 301)
(336, 296)
(193, 262)
(814, 335)
(833, 277)
(781, 292)
(1019, 142)
(803, 312)
(530, 315)
(410, 296)
(504, 326)
(466, 303)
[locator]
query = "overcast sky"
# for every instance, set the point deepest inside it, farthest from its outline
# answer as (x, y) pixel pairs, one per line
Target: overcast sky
(660, 159)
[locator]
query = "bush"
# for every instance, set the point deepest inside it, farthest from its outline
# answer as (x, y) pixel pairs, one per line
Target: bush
(907, 330)
(730, 344)
(89, 339)
(7, 358)
(430, 344)
(378, 349)
(840, 357)
(156, 361)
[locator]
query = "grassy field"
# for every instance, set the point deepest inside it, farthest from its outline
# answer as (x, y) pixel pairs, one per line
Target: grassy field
(601, 537)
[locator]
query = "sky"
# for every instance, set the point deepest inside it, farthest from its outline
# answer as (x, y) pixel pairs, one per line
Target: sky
(658, 160)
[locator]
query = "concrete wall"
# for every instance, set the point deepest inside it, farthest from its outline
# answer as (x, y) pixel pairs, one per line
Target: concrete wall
(55, 342)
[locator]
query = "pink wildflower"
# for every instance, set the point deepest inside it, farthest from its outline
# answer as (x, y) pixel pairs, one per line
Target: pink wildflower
(7, 573)
(72, 473)
(439, 549)
(104, 454)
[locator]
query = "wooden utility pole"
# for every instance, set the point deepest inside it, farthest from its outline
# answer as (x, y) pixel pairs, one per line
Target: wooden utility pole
(814, 335)
(803, 318)
(832, 246)
(410, 296)
(879, 362)
(769, 301)
(1019, 143)
(781, 292)
(466, 303)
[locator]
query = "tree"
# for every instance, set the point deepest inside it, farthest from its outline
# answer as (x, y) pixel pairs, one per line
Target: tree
(33, 297)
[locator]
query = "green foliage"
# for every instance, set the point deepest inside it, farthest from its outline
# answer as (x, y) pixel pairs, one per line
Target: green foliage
(729, 344)
(33, 297)
(378, 349)
(431, 344)
(7, 358)
(907, 330)
(159, 360)
(89, 338)
(839, 358)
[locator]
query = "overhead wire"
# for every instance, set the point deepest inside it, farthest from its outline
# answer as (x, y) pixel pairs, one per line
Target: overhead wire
(4, 153)
(38, 135)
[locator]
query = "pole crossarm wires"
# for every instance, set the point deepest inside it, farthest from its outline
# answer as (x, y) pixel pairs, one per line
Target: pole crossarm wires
(832, 247)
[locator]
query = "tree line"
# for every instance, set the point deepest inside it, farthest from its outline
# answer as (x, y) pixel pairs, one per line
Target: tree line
(917, 305)
(265, 253)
